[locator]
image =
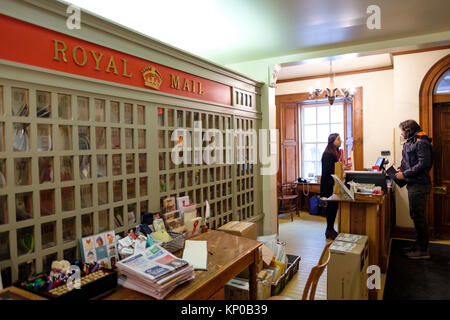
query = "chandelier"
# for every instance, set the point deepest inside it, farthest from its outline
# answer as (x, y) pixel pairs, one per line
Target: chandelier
(332, 92)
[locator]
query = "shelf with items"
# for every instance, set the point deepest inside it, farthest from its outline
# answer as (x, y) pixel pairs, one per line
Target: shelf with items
(47, 202)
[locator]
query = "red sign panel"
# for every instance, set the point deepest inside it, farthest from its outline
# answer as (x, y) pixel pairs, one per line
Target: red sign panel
(33, 45)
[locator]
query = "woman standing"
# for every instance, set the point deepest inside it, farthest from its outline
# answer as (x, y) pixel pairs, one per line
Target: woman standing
(329, 158)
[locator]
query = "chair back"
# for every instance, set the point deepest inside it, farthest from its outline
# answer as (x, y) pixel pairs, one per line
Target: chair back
(316, 272)
(288, 189)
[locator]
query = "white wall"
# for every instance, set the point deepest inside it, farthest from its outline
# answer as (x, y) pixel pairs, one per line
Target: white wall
(389, 97)
(377, 108)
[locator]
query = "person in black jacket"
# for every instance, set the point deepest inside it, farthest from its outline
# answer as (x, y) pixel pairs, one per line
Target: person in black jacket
(415, 169)
(329, 157)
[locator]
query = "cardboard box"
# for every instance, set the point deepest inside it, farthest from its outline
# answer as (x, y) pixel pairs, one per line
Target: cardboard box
(259, 266)
(267, 255)
(237, 289)
(347, 277)
(240, 229)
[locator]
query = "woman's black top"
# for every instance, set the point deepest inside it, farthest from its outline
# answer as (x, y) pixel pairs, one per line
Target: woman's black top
(326, 181)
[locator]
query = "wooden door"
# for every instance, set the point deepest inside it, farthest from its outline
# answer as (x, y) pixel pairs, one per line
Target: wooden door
(289, 139)
(441, 184)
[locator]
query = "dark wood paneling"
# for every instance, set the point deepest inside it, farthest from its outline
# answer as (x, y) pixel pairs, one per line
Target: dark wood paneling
(289, 140)
(441, 168)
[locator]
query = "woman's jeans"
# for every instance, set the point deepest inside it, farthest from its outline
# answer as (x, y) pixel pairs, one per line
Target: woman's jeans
(418, 196)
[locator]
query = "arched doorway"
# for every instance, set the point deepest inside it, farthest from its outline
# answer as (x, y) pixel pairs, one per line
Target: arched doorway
(434, 117)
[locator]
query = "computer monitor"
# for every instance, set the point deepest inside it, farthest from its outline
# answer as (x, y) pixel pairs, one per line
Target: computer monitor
(369, 177)
(380, 163)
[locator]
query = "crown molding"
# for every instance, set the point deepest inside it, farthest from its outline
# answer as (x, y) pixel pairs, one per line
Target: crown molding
(337, 74)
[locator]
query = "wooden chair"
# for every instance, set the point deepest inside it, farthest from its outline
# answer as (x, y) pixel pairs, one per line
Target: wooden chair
(288, 199)
(314, 276)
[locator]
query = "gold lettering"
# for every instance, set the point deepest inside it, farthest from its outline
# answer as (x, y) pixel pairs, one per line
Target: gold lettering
(186, 86)
(125, 69)
(97, 59)
(112, 64)
(200, 91)
(75, 59)
(58, 50)
(193, 86)
(175, 83)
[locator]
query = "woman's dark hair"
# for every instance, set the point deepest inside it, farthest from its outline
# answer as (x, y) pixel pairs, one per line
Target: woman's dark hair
(410, 127)
(331, 148)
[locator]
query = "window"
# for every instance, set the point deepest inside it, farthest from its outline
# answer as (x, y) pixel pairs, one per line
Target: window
(318, 122)
(443, 84)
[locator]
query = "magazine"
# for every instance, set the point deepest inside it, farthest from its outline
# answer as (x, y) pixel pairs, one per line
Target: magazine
(153, 264)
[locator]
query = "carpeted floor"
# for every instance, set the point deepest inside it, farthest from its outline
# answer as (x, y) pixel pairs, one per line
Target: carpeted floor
(408, 279)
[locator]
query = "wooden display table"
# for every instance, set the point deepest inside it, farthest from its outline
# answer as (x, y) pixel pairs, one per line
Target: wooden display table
(228, 256)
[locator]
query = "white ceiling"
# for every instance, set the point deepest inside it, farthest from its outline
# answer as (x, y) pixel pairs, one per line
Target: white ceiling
(314, 67)
(232, 31)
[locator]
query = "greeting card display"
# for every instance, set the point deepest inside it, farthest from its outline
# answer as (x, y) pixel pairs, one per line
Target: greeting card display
(100, 248)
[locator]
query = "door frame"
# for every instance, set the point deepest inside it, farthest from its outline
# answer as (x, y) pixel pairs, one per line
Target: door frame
(426, 119)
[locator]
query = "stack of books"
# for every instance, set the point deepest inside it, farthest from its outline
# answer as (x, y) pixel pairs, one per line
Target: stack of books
(154, 272)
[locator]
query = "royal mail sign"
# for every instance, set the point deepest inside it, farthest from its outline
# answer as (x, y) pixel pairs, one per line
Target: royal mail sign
(33, 45)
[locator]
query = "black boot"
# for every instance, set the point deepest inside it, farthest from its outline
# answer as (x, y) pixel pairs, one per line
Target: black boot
(329, 234)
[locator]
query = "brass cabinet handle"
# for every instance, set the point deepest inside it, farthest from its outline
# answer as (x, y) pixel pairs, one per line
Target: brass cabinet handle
(440, 190)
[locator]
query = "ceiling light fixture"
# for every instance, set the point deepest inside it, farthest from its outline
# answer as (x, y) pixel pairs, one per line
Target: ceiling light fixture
(332, 92)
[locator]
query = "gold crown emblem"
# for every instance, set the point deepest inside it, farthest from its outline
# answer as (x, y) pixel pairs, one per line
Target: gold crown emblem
(152, 77)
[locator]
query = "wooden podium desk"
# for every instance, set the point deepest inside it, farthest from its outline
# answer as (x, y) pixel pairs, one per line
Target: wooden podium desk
(228, 256)
(371, 218)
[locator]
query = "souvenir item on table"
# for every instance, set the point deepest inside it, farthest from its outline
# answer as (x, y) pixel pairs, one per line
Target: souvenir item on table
(90, 280)
(169, 204)
(193, 226)
(100, 248)
(207, 212)
(171, 224)
(190, 213)
(181, 203)
(158, 224)
(162, 236)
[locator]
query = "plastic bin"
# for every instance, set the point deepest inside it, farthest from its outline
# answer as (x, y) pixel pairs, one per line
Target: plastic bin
(313, 205)
(291, 269)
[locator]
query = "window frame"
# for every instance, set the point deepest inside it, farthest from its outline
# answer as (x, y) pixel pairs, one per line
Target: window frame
(301, 125)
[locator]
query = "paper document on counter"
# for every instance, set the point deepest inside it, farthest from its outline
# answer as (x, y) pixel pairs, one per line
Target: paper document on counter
(196, 253)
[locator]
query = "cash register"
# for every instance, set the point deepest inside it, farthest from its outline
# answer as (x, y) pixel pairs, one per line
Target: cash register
(378, 178)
